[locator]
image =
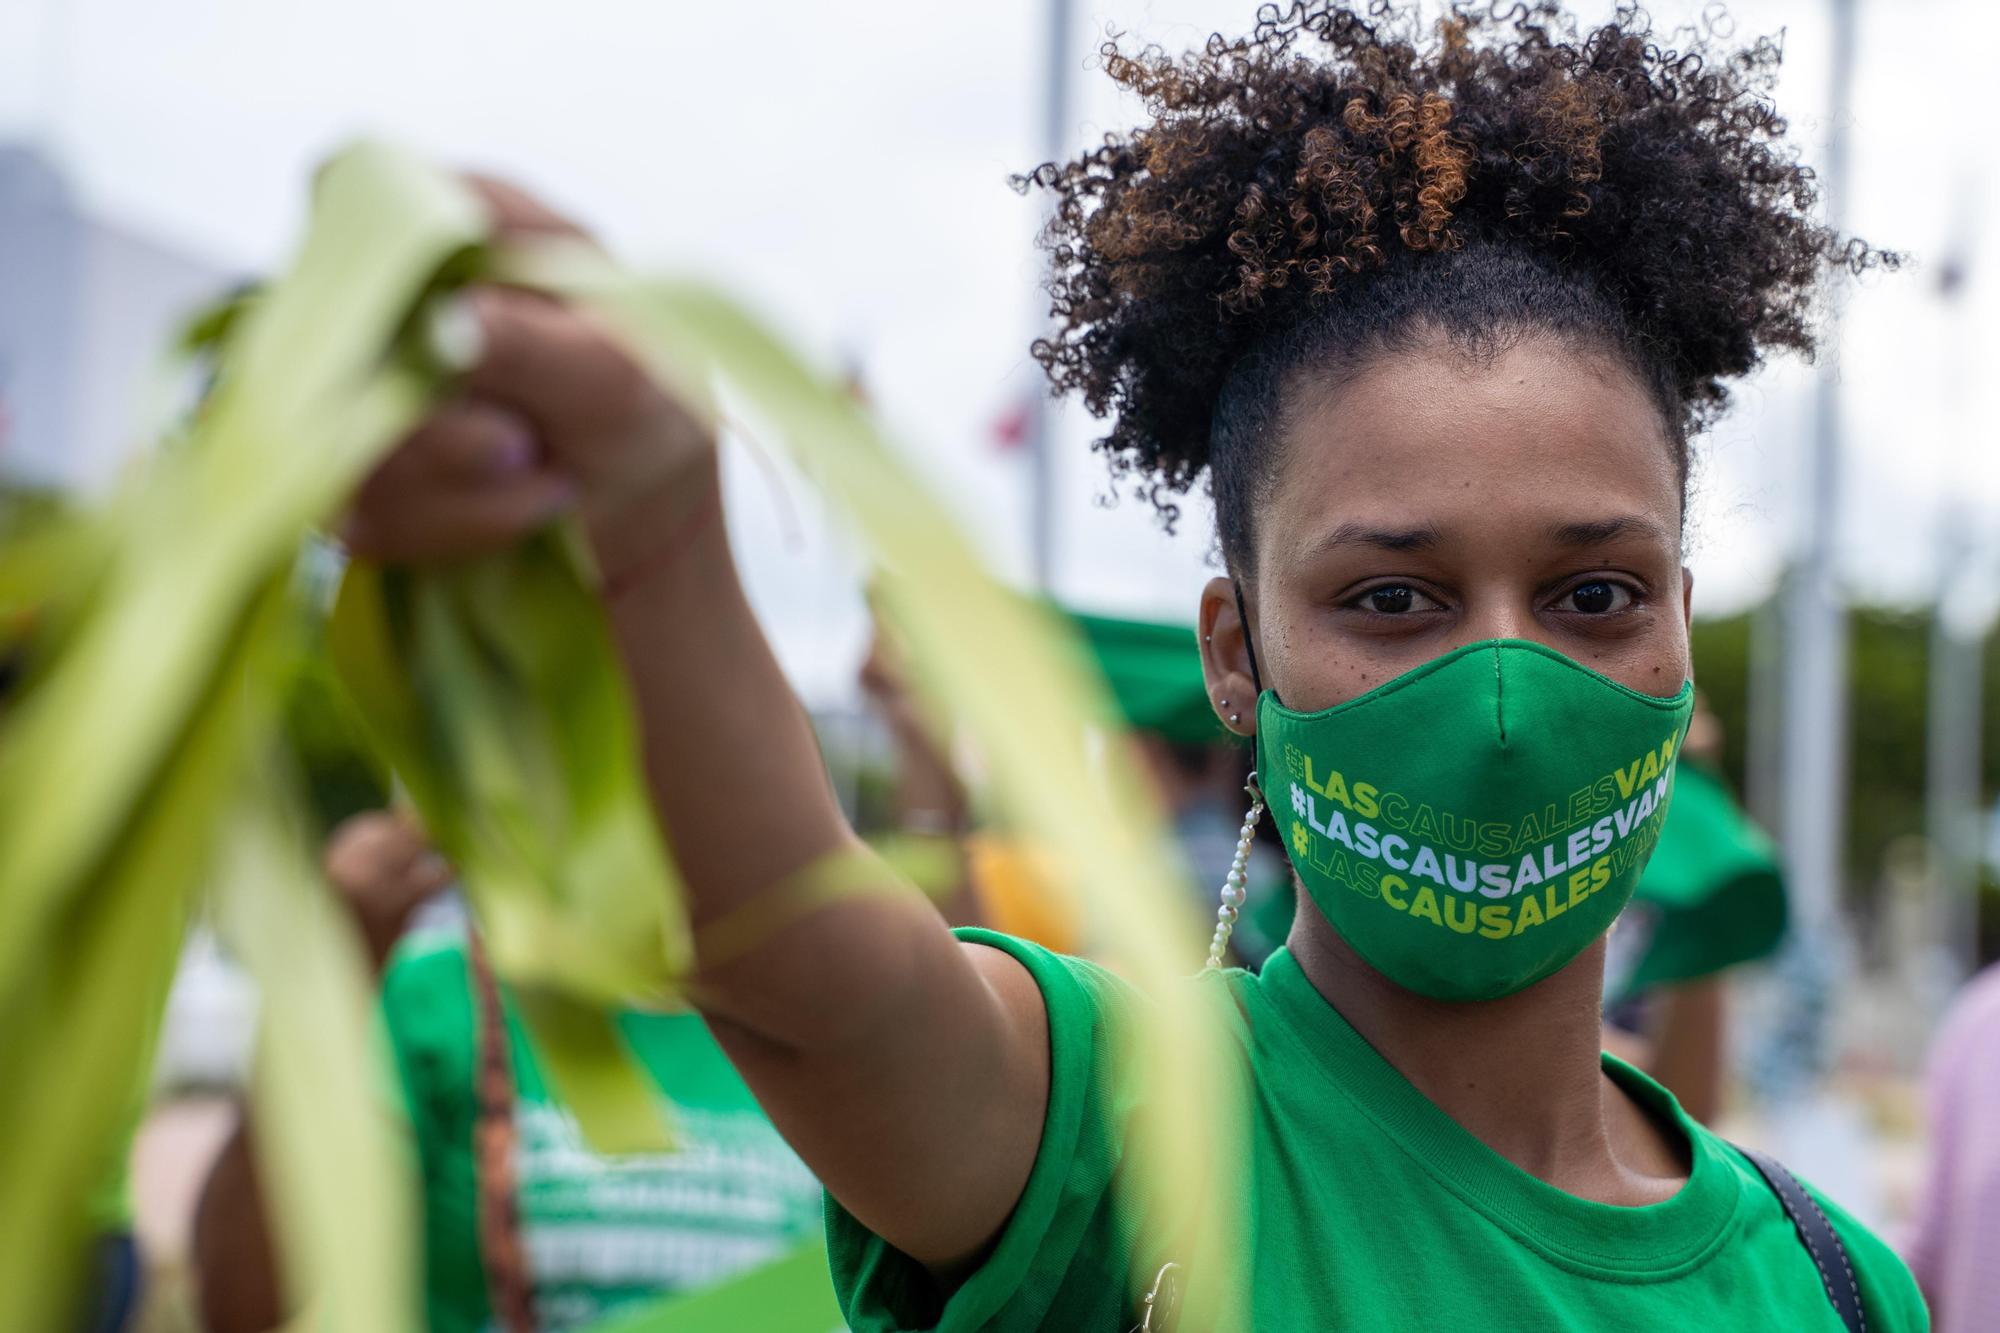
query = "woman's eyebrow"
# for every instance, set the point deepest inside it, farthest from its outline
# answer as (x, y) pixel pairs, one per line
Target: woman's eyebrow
(1598, 531)
(1420, 538)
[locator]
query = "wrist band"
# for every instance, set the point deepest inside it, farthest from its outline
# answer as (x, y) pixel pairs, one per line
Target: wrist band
(621, 581)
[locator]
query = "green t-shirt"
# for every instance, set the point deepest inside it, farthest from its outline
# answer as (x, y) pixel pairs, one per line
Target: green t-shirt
(1370, 1207)
(600, 1232)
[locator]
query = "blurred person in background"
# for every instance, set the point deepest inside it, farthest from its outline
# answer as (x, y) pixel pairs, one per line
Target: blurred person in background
(525, 1228)
(1712, 897)
(1954, 1244)
(931, 810)
(1197, 770)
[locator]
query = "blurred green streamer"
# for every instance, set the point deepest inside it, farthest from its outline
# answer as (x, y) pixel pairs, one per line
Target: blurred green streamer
(143, 758)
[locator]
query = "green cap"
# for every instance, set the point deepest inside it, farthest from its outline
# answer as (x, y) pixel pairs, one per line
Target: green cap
(1715, 882)
(1154, 671)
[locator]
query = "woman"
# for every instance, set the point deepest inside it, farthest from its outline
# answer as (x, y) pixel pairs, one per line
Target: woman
(1436, 317)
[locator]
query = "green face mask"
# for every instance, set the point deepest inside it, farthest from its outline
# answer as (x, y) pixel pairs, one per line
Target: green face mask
(1471, 826)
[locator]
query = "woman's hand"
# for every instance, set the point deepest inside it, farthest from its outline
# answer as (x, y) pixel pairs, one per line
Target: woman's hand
(553, 416)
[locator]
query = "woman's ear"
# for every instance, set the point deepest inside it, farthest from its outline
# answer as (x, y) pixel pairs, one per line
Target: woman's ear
(1225, 658)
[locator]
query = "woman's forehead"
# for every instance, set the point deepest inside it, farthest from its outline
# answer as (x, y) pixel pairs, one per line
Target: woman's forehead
(1429, 442)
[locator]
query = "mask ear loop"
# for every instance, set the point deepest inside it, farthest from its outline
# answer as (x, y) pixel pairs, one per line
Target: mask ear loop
(1249, 645)
(1234, 886)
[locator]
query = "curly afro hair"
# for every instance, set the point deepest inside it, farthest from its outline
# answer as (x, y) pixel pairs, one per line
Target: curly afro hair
(1340, 181)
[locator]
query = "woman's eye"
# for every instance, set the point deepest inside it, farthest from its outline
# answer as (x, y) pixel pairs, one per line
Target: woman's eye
(1395, 599)
(1596, 598)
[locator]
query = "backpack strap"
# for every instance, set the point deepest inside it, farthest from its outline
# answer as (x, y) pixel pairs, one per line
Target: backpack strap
(1821, 1241)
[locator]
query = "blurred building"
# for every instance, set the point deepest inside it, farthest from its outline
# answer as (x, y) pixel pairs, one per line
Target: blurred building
(86, 308)
(86, 304)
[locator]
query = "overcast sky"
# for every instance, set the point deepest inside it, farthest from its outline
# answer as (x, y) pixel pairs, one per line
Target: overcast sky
(845, 166)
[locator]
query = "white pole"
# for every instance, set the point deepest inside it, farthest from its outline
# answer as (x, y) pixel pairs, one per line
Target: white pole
(1952, 763)
(1041, 462)
(1815, 667)
(1952, 750)
(1763, 745)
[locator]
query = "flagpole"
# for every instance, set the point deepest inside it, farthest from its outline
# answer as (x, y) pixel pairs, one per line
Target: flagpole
(1055, 136)
(1815, 657)
(1957, 642)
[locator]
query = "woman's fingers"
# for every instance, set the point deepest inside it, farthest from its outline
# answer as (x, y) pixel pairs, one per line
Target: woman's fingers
(599, 413)
(498, 515)
(470, 480)
(561, 371)
(554, 411)
(451, 524)
(543, 358)
(471, 441)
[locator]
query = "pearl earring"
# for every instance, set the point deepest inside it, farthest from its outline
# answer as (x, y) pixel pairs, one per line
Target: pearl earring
(1233, 886)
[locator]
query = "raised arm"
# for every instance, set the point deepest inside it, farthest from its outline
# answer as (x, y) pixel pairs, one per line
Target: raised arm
(909, 1072)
